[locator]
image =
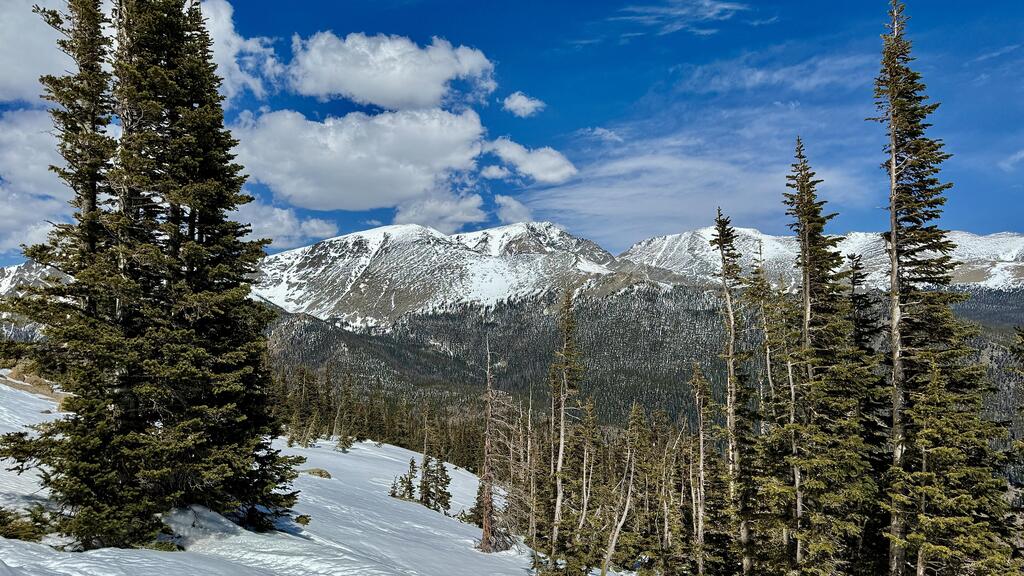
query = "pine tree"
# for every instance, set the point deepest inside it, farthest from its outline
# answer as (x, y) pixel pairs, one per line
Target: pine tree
(928, 349)
(406, 486)
(566, 373)
(440, 482)
(213, 323)
(738, 432)
(90, 459)
(426, 487)
(837, 487)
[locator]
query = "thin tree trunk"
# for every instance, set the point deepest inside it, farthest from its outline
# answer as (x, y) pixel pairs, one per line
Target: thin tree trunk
(613, 539)
(531, 464)
(585, 492)
(897, 524)
(486, 478)
(701, 487)
(559, 488)
(798, 494)
(731, 424)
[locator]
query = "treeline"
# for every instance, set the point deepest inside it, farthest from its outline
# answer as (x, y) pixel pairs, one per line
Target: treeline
(333, 405)
(154, 337)
(849, 438)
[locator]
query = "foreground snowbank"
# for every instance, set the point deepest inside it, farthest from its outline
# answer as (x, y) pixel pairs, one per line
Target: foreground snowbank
(356, 528)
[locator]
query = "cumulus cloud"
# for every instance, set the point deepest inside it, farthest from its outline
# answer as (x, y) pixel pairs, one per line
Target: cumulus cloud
(511, 210)
(282, 225)
(443, 211)
(392, 72)
(522, 105)
(30, 195)
(28, 49)
(495, 172)
(545, 165)
(358, 161)
(244, 63)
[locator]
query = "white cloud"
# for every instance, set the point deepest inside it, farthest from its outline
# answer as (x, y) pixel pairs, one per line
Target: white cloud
(1009, 164)
(283, 225)
(625, 197)
(670, 179)
(27, 150)
(28, 49)
(357, 162)
(522, 105)
(511, 210)
(244, 63)
(545, 165)
(30, 195)
(744, 73)
(495, 172)
(389, 71)
(602, 134)
(690, 15)
(443, 211)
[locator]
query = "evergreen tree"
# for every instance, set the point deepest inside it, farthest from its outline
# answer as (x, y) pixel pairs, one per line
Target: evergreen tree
(565, 376)
(738, 421)
(929, 360)
(406, 486)
(440, 482)
(837, 488)
(426, 487)
(91, 459)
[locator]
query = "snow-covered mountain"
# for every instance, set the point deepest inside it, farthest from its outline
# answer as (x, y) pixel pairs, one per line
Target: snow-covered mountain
(376, 276)
(355, 528)
(994, 261)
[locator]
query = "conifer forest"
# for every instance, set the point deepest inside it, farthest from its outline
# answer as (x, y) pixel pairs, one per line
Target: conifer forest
(829, 413)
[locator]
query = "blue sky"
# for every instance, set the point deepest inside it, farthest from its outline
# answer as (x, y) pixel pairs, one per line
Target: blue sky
(616, 120)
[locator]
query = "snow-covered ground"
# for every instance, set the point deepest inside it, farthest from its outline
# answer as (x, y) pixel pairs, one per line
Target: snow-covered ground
(356, 528)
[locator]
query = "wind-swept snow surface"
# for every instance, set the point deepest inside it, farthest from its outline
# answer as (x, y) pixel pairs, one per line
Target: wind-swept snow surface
(356, 528)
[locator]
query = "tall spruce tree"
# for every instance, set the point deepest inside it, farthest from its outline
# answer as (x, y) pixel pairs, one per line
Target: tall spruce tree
(929, 359)
(739, 432)
(155, 336)
(838, 488)
(213, 339)
(565, 375)
(91, 459)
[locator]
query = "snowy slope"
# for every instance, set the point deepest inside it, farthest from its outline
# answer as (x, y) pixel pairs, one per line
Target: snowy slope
(994, 261)
(356, 528)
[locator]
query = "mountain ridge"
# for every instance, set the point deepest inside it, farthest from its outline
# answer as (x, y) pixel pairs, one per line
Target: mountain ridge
(372, 278)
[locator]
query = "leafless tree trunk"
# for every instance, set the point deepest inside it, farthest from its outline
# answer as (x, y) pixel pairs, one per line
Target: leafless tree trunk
(559, 488)
(486, 474)
(798, 511)
(613, 538)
